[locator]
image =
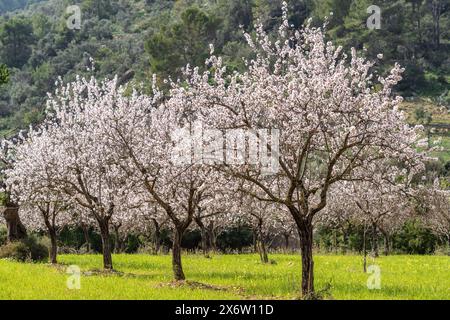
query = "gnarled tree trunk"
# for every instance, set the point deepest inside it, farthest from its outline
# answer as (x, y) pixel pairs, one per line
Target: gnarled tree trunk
(16, 230)
(387, 246)
(305, 231)
(106, 244)
(156, 236)
(260, 243)
(53, 246)
(212, 237)
(262, 251)
(87, 238)
(176, 255)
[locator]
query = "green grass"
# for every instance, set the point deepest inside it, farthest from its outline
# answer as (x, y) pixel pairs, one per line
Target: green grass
(444, 154)
(228, 277)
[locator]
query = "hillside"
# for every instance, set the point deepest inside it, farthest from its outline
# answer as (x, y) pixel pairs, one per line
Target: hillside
(135, 39)
(11, 5)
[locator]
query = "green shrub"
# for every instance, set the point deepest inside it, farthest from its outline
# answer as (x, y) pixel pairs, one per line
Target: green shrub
(29, 249)
(415, 238)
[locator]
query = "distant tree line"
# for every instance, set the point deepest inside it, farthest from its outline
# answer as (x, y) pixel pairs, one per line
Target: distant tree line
(37, 46)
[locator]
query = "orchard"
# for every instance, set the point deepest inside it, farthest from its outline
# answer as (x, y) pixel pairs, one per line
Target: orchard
(308, 137)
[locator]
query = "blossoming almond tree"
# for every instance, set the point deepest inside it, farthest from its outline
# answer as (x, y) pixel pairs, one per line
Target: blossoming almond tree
(262, 217)
(81, 217)
(10, 212)
(143, 142)
(285, 227)
(437, 209)
(204, 219)
(379, 203)
(340, 213)
(333, 116)
(214, 213)
(31, 182)
(151, 220)
(88, 170)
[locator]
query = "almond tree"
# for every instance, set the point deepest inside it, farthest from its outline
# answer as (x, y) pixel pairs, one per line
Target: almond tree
(214, 226)
(340, 214)
(383, 201)
(15, 228)
(379, 205)
(31, 183)
(390, 224)
(146, 141)
(213, 213)
(87, 169)
(334, 118)
(262, 218)
(285, 227)
(151, 220)
(205, 220)
(437, 213)
(82, 218)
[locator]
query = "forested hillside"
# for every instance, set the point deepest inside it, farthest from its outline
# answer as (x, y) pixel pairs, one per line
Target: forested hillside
(135, 39)
(11, 5)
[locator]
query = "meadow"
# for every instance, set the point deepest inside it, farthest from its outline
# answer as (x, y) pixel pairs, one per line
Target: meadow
(226, 277)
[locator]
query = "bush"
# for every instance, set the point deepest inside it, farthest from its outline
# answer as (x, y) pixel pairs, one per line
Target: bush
(235, 239)
(415, 238)
(29, 249)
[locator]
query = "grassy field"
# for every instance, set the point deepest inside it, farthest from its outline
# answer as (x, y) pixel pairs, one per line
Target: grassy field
(226, 277)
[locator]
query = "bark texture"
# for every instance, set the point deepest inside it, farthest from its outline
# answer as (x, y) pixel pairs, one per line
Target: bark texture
(106, 244)
(176, 255)
(16, 230)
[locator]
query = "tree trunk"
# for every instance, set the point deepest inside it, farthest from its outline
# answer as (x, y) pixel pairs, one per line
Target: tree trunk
(387, 247)
(286, 242)
(16, 230)
(255, 242)
(53, 246)
(204, 242)
(156, 236)
(262, 251)
(364, 250)
(374, 241)
(204, 237)
(119, 245)
(306, 246)
(260, 242)
(106, 244)
(437, 28)
(212, 237)
(176, 255)
(417, 16)
(86, 237)
(265, 257)
(435, 7)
